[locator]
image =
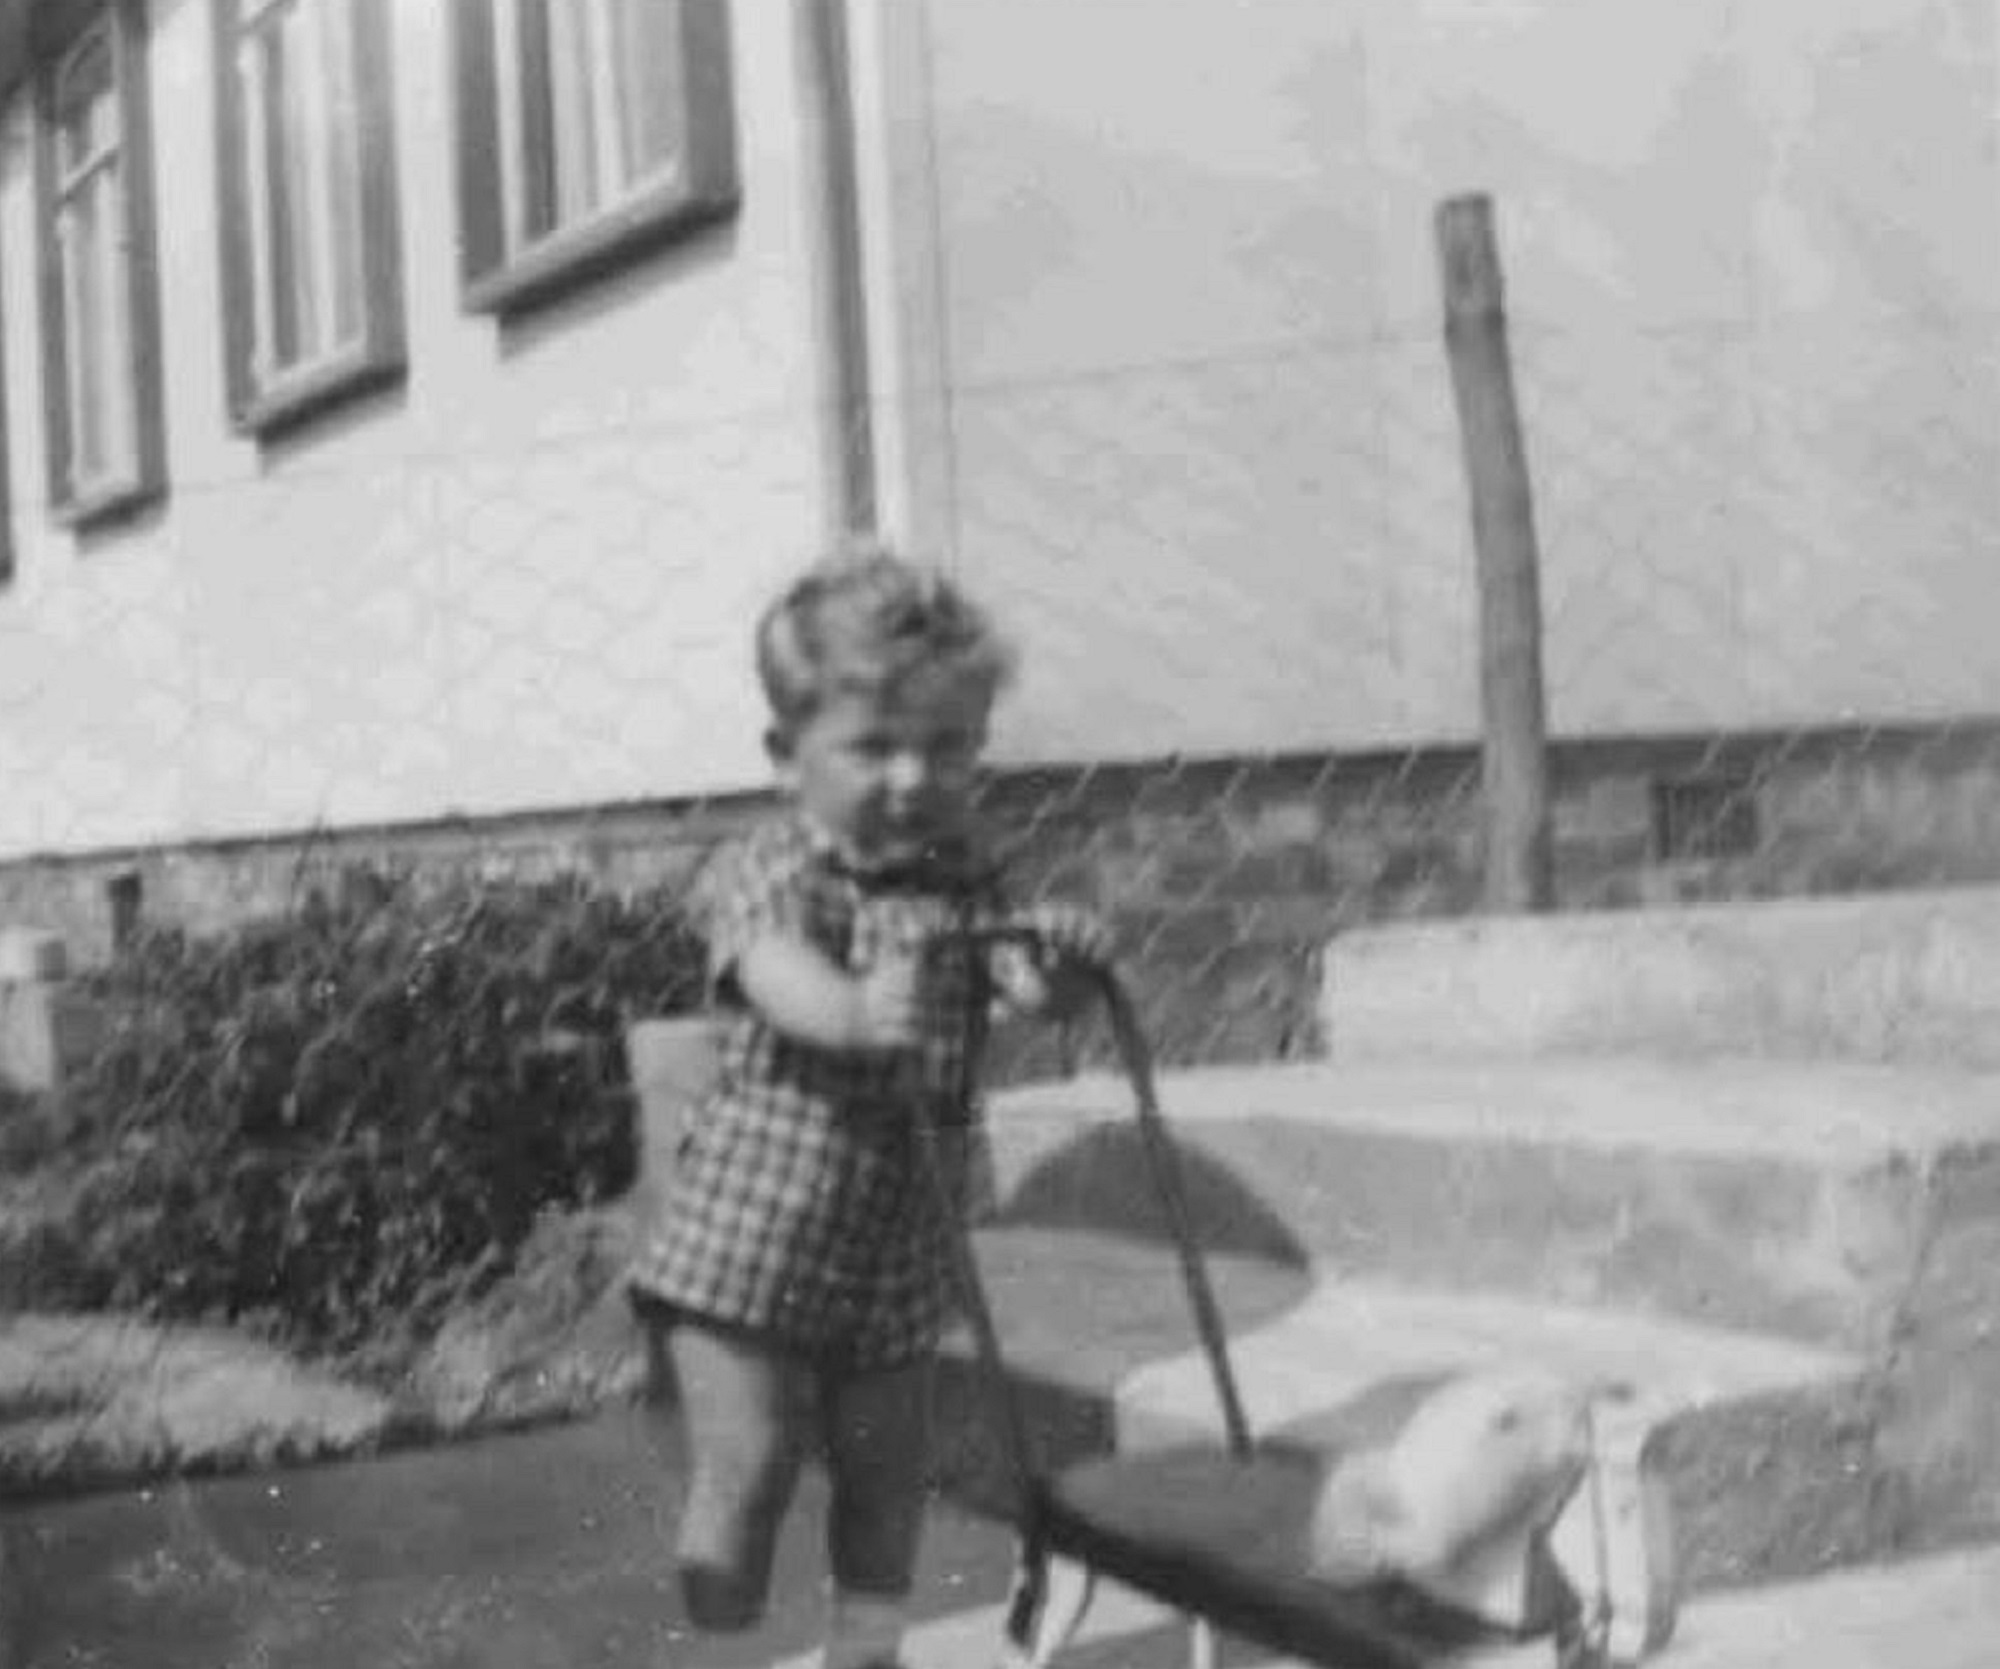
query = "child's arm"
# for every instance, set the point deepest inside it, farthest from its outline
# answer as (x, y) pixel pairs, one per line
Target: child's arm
(801, 992)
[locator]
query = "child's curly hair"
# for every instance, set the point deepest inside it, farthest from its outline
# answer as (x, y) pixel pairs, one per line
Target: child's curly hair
(867, 620)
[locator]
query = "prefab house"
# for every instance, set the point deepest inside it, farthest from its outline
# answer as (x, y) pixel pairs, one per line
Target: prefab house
(408, 403)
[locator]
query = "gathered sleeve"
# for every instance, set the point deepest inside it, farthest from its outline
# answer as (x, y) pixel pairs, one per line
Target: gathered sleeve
(750, 889)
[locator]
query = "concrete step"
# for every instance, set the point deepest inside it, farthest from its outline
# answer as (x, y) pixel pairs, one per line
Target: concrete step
(1786, 1197)
(1760, 1437)
(1851, 1208)
(1078, 1313)
(1888, 976)
(1756, 1495)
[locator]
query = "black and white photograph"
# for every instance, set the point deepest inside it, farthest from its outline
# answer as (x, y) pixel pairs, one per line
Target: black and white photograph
(999, 834)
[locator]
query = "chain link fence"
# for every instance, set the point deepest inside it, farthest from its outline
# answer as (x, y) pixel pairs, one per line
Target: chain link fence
(1765, 594)
(1236, 579)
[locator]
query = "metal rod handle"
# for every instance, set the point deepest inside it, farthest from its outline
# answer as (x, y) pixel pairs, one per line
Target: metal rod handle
(1164, 1162)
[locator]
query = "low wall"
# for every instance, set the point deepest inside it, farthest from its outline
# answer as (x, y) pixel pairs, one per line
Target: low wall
(1225, 878)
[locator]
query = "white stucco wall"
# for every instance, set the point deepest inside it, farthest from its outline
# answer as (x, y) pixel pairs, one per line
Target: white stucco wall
(1154, 317)
(522, 581)
(1202, 443)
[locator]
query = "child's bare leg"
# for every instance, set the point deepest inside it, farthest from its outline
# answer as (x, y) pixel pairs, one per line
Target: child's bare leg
(744, 1407)
(878, 1438)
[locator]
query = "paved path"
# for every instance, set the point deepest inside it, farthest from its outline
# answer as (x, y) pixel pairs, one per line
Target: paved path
(543, 1551)
(547, 1550)
(535, 1551)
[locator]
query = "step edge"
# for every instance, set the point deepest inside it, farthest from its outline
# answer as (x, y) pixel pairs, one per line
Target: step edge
(1514, 1100)
(1787, 1366)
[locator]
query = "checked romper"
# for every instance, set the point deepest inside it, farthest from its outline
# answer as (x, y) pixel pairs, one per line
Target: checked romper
(799, 1206)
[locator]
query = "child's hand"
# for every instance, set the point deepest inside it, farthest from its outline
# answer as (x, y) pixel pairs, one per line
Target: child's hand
(1056, 977)
(888, 1004)
(1070, 933)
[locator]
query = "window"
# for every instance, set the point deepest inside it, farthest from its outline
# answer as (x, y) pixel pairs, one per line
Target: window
(1710, 815)
(100, 309)
(305, 156)
(588, 130)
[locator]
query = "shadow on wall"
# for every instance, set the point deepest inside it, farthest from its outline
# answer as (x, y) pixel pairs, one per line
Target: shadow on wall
(1102, 1182)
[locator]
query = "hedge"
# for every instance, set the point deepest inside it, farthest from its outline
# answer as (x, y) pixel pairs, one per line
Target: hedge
(333, 1126)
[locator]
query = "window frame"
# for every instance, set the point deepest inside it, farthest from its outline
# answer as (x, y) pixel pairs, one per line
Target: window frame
(6, 465)
(263, 404)
(702, 189)
(85, 505)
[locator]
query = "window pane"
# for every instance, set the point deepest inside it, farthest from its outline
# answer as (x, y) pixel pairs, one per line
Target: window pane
(96, 330)
(573, 96)
(590, 111)
(280, 146)
(581, 145)
(121, 441)
(103, 403)
(83, 329)
(526, 150)
(302, 139)
(86, 116)
(254, 59)
(300, 179)
(649, 60)
(345, 278)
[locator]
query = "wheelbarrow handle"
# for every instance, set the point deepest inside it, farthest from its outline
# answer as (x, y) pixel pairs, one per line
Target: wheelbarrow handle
(1163, 1159)
(1135, 1057)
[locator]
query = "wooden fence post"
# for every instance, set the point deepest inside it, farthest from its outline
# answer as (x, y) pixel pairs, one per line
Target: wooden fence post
(1514, 753)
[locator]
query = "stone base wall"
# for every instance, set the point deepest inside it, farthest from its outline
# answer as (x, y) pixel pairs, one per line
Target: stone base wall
(1225, 876)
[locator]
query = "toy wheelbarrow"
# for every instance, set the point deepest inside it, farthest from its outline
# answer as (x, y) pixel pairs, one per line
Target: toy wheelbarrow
(1224, 1536)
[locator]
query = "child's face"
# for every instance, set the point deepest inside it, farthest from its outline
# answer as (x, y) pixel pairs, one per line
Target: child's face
(886, 774)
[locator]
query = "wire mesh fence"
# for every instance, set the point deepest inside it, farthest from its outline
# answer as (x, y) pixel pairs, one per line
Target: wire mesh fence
(1244, 592)
(1687, 597)
(1223, 879)
(1248, 615)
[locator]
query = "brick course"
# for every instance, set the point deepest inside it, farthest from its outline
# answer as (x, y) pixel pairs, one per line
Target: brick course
(1224, 877)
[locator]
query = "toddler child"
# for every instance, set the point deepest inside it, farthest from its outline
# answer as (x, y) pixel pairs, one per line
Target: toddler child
(801, 1265)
